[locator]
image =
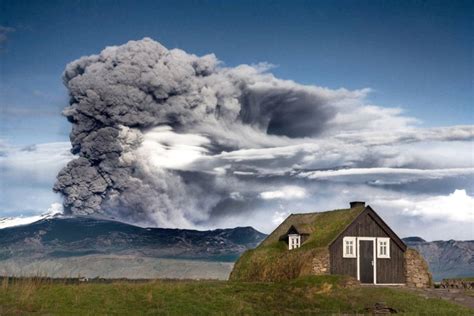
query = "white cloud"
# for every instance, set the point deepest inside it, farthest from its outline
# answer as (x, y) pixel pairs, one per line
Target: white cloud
(164, 148)
(278, 217)
(417, 173)
(264, 153)
(457, 206)
(285, 193)
(27, 175)
(415, 149)
(40, 160)
(354, 116)
(236, 196)
(244, 173)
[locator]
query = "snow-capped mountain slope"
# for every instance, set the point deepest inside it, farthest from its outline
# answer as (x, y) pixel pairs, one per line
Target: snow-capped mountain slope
(55, 210)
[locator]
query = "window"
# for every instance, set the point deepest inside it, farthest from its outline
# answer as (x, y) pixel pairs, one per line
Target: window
(349, 247)
(383, 247)
(294, 241)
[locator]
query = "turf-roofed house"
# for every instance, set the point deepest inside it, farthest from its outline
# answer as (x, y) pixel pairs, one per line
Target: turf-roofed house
(354, 242)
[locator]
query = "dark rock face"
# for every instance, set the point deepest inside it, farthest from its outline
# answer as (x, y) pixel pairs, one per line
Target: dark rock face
(78, 236)
(410, 240)
(446, 259)
(380, 308)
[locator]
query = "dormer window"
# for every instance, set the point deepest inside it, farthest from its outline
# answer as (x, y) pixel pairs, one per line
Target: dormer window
(294, 241)
(295, 236)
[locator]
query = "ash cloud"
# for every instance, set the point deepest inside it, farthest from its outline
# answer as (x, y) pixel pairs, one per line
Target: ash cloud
(167, 138)
(120, 94)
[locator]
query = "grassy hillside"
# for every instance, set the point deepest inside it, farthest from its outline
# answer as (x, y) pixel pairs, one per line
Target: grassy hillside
(275, 263)
(271, 260)
(308, 295)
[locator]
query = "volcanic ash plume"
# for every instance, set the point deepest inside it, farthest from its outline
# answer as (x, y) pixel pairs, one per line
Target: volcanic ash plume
(154, 131)
(115, 97)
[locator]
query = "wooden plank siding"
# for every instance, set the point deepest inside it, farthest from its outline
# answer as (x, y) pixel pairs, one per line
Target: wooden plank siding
(391, 270)
(338, 264)
(368, 224)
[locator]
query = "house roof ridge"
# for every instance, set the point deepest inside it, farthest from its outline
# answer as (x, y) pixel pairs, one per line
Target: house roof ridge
(319, 212)
(309, 219)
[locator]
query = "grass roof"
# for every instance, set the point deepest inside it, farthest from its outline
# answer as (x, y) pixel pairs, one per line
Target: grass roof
(272, 261)
(323, 227)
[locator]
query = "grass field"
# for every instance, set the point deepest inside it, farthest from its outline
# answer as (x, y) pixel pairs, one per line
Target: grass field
(308, 295)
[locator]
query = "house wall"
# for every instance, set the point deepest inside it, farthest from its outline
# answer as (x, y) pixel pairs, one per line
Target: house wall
(338, 264)
(388, 270)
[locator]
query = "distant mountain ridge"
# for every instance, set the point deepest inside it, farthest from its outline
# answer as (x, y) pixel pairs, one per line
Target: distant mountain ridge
(446, 259)
(56, 237)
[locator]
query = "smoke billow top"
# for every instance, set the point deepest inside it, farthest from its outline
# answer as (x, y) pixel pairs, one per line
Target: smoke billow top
(164, 137)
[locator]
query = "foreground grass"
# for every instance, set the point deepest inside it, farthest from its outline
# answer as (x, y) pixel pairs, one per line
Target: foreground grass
(308, 295)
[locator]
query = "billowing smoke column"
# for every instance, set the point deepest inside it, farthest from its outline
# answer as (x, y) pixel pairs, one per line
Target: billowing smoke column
(125, 93)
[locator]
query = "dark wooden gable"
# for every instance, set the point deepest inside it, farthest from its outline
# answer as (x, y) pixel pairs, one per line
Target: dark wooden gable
(369, 224)
(386, 228)
(379, 221)
(292, 230)
(296, 229)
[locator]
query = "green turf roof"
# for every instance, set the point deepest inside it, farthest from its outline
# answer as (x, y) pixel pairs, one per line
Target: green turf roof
(323, 227)
(271, 260)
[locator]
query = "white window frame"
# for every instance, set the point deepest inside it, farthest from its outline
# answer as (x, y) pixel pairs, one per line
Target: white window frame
(386, 242)
(294, 241)
(345, 241)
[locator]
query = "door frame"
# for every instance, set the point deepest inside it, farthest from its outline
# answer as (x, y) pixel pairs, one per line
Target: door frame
(374, 243)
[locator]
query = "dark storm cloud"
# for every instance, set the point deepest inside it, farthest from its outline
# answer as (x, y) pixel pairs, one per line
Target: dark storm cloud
(287, 111)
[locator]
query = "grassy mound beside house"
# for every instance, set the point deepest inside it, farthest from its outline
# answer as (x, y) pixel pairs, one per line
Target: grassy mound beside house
(271, 260)
(315, 295)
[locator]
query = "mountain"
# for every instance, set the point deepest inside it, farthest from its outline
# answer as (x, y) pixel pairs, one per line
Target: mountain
(54, 211)
(76, 236)
(60, 246)
(447, 259)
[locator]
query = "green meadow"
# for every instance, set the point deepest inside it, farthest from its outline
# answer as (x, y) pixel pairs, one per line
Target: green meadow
(315, 295)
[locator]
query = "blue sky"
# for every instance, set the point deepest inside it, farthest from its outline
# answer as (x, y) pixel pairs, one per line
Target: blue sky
(413, 54)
